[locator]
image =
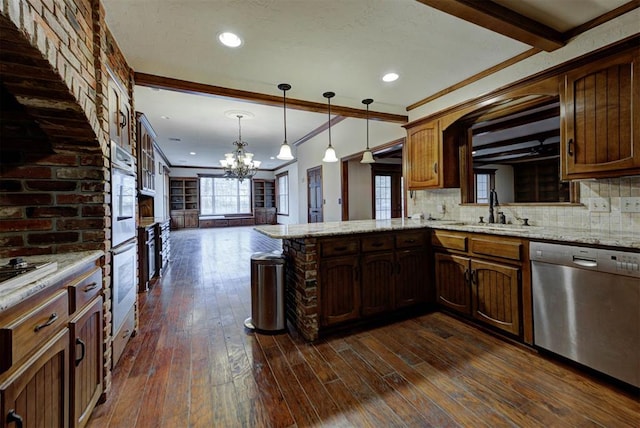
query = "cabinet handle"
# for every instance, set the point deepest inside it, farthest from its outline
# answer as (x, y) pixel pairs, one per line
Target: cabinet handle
(14, 417)
(83, 350)
(126, 333)
(474, 276)
(90, 287)
(123, 119)
(467, 276)
(569, 152)
(51, 320)
(409, 241)
(435, 167)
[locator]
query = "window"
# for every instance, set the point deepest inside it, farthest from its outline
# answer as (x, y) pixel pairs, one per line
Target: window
(282, 193)
(382, 197)
(484, 180)
(220, 196)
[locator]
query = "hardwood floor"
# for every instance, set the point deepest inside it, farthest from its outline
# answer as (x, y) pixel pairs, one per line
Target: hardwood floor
(192, 364)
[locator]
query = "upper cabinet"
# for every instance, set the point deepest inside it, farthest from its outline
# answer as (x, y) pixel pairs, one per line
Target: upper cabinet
(430, 161)
(146, 159)
(601, 118)
(119, 113)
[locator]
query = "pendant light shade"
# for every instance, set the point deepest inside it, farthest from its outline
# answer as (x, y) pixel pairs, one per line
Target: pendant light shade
(330, 153)
(367, 156)
(285, 148)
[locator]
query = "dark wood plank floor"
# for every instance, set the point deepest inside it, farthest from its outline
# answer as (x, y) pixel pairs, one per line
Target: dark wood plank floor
(193, 365)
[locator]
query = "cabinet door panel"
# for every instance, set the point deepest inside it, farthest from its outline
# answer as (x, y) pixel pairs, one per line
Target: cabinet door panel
(339, 290)
(42, 380)
(412, 283)
(495, 295)
(86, 362)
(377, 282)
(451, 284)
(602, 119)
(423, 154)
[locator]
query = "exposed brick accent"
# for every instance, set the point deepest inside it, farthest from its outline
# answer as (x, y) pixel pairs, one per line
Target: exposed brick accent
(52, 238)
(25, 225)
(51, 186)
(52, 212)
(301, 285)
(81, 224)
(26, 199)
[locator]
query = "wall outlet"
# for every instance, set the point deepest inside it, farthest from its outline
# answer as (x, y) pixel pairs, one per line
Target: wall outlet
(630, 204)
(599, 205)
(441, 208)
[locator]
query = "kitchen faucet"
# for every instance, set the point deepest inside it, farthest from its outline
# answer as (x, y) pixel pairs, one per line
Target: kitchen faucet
(493, 203)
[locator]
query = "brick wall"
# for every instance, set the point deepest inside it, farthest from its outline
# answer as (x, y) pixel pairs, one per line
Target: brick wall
(54, 151)
(302, 298)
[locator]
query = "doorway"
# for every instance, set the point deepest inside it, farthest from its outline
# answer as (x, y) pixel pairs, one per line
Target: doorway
(314, 195)
(387, 191)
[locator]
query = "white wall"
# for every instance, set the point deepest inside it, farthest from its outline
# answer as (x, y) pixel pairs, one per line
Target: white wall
(360, 185)
(348, 138)
(160, 208)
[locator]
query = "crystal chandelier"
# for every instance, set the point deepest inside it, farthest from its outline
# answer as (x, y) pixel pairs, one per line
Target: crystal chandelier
(239, 164)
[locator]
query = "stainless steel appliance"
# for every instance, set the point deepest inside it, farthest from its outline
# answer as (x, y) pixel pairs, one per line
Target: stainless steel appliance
(125, 264)
(123, 195)
(586, 307)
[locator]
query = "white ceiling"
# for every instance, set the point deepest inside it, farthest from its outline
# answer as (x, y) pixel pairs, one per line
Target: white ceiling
(343, 46)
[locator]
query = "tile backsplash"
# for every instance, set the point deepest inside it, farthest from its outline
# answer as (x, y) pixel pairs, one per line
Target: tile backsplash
(574, 216)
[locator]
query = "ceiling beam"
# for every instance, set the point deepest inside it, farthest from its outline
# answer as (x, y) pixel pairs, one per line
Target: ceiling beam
(500, 19)
(159, 82)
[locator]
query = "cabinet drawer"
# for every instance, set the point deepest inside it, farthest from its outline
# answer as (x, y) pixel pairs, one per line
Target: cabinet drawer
(410, 239)
(452, 241)
(377, 243)
(83, 290)
(31, 329)
(121, 337)
(501, 247)
(339, 247)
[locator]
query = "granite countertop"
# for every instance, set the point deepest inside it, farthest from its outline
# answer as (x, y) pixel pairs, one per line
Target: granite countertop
(16, 292)
(575, 236)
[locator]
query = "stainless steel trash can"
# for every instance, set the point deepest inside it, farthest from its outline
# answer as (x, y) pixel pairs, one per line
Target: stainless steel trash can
(267, 293)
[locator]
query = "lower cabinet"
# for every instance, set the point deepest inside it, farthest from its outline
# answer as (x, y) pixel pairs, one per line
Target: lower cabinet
(372, 275)
(37, 392)
(339, 290)
(484, 289)
(86, 362)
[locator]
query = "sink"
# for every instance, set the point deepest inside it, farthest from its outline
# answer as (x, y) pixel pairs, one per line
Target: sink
(494, 226)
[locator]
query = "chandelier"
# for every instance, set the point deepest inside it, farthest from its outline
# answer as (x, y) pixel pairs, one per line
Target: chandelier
(239, 164)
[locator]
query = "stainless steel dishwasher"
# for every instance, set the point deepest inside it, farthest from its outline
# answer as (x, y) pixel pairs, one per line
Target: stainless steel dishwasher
(586, 307)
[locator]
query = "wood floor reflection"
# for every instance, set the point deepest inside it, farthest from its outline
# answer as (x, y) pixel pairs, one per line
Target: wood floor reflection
(192, 364)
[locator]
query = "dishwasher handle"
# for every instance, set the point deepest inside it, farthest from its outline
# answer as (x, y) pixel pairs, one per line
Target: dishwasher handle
(591, 263)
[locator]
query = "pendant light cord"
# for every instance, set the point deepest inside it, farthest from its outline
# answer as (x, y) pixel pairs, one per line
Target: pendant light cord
(284, 94)
(329, 100)
(367, 126)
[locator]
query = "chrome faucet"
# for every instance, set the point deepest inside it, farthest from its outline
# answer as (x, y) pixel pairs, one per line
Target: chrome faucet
(493, 203)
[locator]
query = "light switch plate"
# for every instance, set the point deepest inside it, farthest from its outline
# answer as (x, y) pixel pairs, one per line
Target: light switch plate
(599, 205)
(630, 204)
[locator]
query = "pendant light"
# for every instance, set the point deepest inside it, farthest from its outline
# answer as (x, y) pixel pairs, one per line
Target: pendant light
(367, 156)
(330, 153)
(285, 148)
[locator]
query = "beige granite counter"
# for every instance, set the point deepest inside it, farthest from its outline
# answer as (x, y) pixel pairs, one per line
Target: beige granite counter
(630, 240)
(67, 263)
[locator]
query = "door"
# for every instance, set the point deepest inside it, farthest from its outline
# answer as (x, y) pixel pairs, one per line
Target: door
(377, 282)
(422, 156)
(314, 194)
(412, 280)
(387, 191)
(495, 295)
(339, 290)
(452, 282)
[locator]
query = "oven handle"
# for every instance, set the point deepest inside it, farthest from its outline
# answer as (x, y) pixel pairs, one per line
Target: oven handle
(123, 248)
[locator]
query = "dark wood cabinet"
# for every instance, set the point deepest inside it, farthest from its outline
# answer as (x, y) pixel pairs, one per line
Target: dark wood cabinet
(146, 155)
(86, 362)
(184, 202)
(163, 245)
(601, 121)
(339, 290)
(480, 276)
(430, 161)
(372, 275)
(119, 110)
(146, 256)
(37, 392)
(264, 201)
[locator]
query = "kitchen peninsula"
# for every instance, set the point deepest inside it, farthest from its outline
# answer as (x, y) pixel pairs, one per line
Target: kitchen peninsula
(343, 272)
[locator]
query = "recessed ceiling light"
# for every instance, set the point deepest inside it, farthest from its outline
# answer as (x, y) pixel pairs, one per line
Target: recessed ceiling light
(192, 153)
(230, 40)
(272, 158)
(165, 117)
(390, 77)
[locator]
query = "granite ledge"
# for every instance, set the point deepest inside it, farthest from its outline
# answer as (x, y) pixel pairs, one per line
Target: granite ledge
(628, 240)
(67, 263)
